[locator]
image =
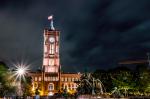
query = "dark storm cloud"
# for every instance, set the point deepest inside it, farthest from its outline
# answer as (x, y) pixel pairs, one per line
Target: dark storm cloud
(94, 33)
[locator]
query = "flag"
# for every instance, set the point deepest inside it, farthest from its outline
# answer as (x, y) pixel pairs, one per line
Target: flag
(50, 17)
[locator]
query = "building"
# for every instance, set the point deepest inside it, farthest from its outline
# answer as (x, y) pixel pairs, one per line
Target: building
(50, 80)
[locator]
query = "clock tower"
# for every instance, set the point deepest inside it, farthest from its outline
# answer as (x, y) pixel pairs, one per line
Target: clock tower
(50, 80)
(51, 51)
(51, 61)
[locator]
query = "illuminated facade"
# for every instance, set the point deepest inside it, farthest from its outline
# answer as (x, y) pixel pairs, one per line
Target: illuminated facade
(51, 51)
(50, 80)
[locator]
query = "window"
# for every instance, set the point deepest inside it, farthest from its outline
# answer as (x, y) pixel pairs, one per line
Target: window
(53, 78)
(56, 78)
(52, 49)
(51, 62)
(76, 79)
(35, 78)
(72, 79)
(45, 78)
(69, 86)
(51, 86)
(39, 78)
(65, 86)
(74, 86)
(48, 78)
(66, 79)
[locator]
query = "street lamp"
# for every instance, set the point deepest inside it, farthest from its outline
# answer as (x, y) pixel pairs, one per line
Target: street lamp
(20, 72)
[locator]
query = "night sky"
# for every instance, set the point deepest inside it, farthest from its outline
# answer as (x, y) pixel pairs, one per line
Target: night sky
(95, 34)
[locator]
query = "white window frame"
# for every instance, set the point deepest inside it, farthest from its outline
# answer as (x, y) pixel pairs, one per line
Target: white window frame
(50, 88)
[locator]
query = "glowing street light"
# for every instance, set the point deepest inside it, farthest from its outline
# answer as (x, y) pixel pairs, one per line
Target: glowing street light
(20, 72)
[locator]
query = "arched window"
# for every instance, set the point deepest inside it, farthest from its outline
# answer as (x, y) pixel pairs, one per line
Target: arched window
(65, 86)
(51, 86)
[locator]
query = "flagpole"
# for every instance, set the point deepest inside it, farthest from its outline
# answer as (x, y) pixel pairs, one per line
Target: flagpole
(50, 18)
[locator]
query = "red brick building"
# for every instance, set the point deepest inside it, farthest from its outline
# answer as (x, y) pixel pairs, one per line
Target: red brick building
(50, 80)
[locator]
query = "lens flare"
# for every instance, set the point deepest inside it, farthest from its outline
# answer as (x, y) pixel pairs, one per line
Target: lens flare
(21, 69)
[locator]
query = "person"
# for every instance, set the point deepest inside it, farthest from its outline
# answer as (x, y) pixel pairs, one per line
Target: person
(37, 97)
(4, 97)
(37, 94)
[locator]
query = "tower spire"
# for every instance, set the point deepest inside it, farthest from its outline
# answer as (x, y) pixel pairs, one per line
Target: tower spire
(50, 18)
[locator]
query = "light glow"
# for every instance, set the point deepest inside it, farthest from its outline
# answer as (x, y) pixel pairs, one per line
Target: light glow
(50, 93)
(21, 70)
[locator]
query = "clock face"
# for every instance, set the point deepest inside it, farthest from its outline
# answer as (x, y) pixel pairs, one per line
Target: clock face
(52, 39)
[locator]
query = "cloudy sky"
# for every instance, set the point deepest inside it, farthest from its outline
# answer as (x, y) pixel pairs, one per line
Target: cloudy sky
(94, 33)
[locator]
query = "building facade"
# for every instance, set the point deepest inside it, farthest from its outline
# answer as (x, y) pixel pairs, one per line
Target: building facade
(50, 80)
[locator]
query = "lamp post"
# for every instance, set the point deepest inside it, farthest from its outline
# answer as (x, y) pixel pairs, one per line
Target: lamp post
(20, 72)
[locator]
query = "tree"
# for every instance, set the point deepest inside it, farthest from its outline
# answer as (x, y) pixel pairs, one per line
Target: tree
(7, 84)
(27, 86)
(123, 82)
(142, 75)
(122, 79)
